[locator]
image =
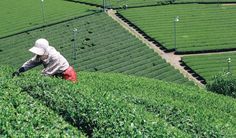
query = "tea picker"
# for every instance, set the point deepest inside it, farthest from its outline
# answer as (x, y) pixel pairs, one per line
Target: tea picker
(54, 63)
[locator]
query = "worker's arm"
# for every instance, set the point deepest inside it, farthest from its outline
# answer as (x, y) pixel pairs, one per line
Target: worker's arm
(33, 62)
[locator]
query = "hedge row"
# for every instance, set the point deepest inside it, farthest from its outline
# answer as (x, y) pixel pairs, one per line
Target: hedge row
(23, 116)
(96, 113)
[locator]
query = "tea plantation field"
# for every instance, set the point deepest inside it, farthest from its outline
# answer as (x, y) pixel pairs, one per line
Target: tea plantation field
(125, 89)
(209, 65)
(201, 27)
(23, 116)
(105, 105)
(140, 3)
(100, 45)
(204, 1)
(19, 15)
(121, 3)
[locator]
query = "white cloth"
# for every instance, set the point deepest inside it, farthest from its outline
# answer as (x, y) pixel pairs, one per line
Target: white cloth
(54, 64)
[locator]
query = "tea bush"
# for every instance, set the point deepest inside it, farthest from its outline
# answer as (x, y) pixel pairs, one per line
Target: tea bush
(223, 83)
(23, 116)
(115, 105)
(96, 113)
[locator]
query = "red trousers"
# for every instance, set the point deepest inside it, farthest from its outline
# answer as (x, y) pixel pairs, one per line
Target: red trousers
(70, 74)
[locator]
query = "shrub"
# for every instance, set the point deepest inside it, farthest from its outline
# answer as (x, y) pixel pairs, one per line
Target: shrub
(223, 83)
(23, 116)
(96, 112)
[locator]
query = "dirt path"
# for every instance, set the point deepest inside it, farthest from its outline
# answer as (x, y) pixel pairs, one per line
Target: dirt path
(171, 58)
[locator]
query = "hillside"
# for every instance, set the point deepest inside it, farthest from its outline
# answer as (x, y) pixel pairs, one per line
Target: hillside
(134, 65)
(103, 105)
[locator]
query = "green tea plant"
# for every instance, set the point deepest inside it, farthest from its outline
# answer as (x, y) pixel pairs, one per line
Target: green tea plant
(124, 3)
(196, 112)
(27, 14)
(210, 65)
(197, 23)
(105, 105)
(139, 3)
(223, 83)
(100, 45)
(96, 114)
(23, 116)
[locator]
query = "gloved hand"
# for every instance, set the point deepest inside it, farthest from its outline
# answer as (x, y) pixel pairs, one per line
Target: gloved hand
(15, 74)
(22, 69)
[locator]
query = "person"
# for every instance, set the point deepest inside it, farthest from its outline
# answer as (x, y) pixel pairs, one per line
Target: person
(54, 63)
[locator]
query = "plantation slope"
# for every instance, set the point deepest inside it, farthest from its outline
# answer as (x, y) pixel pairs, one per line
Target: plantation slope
(196, 112)
(100, 44)
(19, 15)
(96, 113)
(102, 105)
(23, 116)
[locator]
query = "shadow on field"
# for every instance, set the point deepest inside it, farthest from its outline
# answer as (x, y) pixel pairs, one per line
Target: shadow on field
(87, 3)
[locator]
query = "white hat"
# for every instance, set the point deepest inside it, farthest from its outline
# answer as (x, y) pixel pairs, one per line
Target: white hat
(39, 47)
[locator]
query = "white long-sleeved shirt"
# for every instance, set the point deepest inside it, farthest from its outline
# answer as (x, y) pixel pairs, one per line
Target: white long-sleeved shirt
(54, 64)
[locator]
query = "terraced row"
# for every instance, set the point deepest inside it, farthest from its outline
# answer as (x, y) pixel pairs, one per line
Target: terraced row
(137, 3)
(194, 28)
(26, 14)
(209, 65)
(95, 112)
(105, 105)
(100, 45)
(189, 109)
(23, 116)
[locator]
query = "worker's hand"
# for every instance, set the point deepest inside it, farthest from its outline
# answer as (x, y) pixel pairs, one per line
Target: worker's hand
(15, 74)
(21, 69)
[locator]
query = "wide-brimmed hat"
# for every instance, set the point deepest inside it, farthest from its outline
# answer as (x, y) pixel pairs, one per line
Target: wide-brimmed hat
(39, 47)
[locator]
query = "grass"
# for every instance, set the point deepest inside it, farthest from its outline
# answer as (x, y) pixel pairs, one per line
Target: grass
(197, 23)
(26, 14)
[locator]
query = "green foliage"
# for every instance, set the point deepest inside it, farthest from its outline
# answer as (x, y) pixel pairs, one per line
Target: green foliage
(101, 44)
(134, 3)
(26, 14)
(105, 105)
(196, 112)
(97, 113)
(23, 116)
(223, 83)
(210, 65)
(124, 3)
(197, 23)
